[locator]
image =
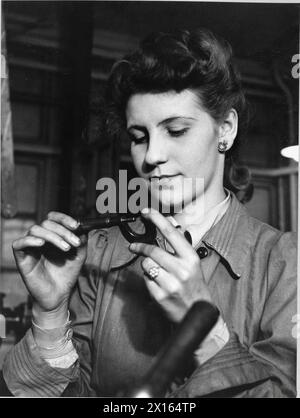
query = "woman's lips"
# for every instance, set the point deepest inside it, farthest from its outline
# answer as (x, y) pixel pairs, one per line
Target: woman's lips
(163, 181)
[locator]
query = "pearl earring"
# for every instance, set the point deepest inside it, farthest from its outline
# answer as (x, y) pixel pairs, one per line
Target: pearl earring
(222, 146)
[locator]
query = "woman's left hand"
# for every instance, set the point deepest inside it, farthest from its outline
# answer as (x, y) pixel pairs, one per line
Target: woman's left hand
(180, 280)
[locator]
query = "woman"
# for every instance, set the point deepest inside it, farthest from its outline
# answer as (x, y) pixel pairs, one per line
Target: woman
(180, 100)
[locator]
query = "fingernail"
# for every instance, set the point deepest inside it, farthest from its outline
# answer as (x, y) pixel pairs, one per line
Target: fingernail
(65, 245)
(73, 224)
(145, 211)
(132, 247)
(75, 240)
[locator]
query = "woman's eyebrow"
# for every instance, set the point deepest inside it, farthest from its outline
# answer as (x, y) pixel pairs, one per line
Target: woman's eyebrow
(174, 118)
(163, 122)
(137, 127)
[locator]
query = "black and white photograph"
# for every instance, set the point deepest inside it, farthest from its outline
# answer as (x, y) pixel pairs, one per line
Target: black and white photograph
(149, 201)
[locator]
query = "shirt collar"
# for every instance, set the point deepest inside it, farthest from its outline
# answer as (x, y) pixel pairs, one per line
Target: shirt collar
(231, 237)
(204, 222)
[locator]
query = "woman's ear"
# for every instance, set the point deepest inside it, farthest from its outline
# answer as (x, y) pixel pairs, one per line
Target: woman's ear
(228, 129)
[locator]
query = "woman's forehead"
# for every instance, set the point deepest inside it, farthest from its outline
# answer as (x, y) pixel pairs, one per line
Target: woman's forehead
(153, 107)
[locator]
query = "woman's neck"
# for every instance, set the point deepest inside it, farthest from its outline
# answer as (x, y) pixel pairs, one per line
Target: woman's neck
(196, 210)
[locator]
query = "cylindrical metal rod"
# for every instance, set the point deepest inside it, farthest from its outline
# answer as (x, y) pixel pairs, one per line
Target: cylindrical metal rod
(195, 326)
(104, 221)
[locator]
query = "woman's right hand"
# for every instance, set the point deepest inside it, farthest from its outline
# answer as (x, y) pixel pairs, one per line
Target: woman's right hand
(49, 259)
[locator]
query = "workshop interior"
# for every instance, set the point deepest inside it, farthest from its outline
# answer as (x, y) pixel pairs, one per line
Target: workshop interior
(56, 57)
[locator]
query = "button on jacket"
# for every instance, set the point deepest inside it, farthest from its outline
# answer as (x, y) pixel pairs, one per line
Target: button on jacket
(250, 269)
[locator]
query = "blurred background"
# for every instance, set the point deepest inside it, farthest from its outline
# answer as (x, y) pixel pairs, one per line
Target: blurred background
(58, 55)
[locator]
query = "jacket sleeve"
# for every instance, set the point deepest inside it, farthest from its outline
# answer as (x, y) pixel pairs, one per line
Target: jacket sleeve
(266, 368)
(26, 373)
(82, 308)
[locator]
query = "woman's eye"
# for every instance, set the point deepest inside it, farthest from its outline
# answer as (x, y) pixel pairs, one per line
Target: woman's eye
(177, 132)
(138, 140)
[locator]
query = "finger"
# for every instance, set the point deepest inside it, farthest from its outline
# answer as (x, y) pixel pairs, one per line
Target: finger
(63, 232)
(172, 235)
(63, 219)
(29, 241)
(49, 236)
(168, 283)
(157, 254)
(20, 245)
(147, 263)
(155, 290)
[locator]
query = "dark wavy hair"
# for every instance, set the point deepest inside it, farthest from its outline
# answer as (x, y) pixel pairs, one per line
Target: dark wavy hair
(195, 60)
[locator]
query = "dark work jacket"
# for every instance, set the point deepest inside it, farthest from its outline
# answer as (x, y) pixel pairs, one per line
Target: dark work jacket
(119, 329)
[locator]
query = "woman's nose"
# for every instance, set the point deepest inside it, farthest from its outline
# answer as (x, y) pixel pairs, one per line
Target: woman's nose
(156, 151)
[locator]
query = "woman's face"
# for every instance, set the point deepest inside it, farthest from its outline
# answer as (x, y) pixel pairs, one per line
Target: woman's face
(173, 139)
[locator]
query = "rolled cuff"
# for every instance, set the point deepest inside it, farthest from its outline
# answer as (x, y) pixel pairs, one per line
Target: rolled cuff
(27, 374)
(230, 372)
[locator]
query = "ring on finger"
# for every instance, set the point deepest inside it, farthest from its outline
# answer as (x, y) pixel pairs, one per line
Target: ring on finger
(153, 272)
